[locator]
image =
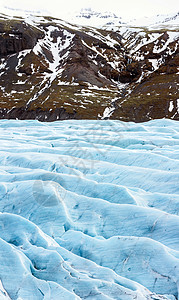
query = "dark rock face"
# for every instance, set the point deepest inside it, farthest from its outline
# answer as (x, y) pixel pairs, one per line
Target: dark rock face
(82, 68)
(17, 36)
(131, 73)
(51, 70)
(44, 116)
(171, 65)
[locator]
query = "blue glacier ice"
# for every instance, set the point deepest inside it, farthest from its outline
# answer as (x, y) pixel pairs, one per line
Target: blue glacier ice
(89, 210)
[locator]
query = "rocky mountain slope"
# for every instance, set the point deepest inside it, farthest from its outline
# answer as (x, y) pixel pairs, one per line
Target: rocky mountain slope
(51, 69)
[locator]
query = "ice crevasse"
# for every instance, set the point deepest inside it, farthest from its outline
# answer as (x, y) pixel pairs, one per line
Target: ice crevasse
(89, 210)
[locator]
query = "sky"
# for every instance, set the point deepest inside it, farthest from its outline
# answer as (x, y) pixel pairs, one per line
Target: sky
(123, 8)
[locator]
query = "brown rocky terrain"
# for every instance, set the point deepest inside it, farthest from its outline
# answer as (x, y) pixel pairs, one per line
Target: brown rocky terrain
(50, 70)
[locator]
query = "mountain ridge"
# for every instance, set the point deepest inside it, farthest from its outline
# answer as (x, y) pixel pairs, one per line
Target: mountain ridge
(51, 69)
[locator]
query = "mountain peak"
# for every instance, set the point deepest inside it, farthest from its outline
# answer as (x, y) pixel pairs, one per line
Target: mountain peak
(89, 13)
(88, 16)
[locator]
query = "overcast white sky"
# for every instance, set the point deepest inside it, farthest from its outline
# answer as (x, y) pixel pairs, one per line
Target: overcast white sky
(124, 8)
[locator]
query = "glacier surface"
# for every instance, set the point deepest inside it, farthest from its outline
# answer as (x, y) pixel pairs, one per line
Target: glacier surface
(89, 210)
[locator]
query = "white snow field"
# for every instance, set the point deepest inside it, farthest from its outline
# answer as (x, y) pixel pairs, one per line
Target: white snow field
(89, 210)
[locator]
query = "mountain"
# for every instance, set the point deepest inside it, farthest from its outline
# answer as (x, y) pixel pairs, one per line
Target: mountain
(159, 21)
(51, 69)
(89, 210)
(90, 17)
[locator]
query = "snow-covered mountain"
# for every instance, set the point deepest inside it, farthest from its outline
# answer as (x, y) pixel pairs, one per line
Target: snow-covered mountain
(90, 17)
(21, 12)
(158, 22)
(89, 210)
(51, 69)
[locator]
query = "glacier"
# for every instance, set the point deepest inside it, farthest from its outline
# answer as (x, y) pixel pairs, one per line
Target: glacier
(89, 210)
